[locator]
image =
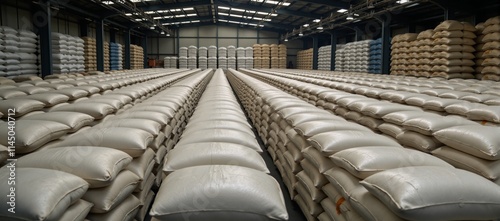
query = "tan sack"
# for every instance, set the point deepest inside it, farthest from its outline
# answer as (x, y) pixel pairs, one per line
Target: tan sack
(97, 165)
(366, 161)
(442, 194)
(215, 153)
(221, 135)
(96, 110)
(480, 141)
(486, 168)
(41, 194)
(243, 194)
(125, 211)
(369, 207)
(332, 142)
(74, 120)
(49, 99)
(77, 211)
(32, 134)
(488, 113)
(107, 198)
(427, 125)
(19, 107)
(449, 25)
(129, 140)
(312, 128)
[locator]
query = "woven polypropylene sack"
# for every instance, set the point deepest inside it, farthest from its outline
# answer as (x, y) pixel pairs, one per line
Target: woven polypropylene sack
(243, 194)
(480, 141)
(366, 161)
(216, 153)
(440, 195)
(96, 165)
(46, 194)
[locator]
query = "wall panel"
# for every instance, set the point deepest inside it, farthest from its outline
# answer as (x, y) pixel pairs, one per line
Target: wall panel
(208, 31)
(205, 42)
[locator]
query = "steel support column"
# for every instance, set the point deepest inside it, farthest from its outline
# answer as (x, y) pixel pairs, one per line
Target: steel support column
(45, 39)
(386, 47)
(126, 38)
(99, 26)
(145, 47)
(333, 42)
(84, 29)
(315, 52)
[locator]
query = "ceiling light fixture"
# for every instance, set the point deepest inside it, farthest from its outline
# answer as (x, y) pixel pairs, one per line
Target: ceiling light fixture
(162, 33)
(316, 20)
(300, 34)
(168, 34)
(369, 4)
(320, 28)
(350, 14)
(286, 39)
(306, 25)
(152, 27)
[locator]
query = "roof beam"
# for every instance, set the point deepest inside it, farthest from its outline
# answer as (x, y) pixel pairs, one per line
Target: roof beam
(266, 24)
(331, 3)
(226, 24)
(176, 5)
(170, 20)
(266, 9)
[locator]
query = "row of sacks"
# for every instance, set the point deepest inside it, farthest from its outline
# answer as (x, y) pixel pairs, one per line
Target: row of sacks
(36, 130)
(36, 96)
(463, 143)
(472, 144)
(351, 173)
(217, 161)
(49, 95)
(475, 100)
(114, 159)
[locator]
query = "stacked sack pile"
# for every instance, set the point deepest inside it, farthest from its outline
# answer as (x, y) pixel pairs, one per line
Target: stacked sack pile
(400, 46)
(240, 57)
(192, 57)
(304, 59)
(136, 57)
(257, 54)
(67, 54)
(491, 63)
(203, 59)
(115, 58)
(275, 60)
(9, 58)
(173, 62)
(183, 59)
(453, 50)
(362, 56)
(107, 66)
(212, 57)
(222, 57)
(231, 57)
(265, 52)
(423, 55)
(282, 56)
(350, 56)
(90, 53)
(324, 57)
(28, 53)
(375, 62)
(249, 62)
(479, 50)
(166, 62)
(340, 61)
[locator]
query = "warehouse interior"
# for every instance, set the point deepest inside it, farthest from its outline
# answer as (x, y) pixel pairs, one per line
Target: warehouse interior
(328, 110)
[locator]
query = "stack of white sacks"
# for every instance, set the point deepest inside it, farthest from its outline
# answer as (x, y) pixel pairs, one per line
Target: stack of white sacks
(28, 48)
(362, 56)
(202, 59)
(491, 63)
(249, 57)
(192, 57)
(9, 52)
(212, 57)
(166, 62)
(67, 54)
(223, 57)
(183, 60)
(324, 57)
(231, 57)
(173, 62)
(241, 59)
(275, 59)
(340, 61)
